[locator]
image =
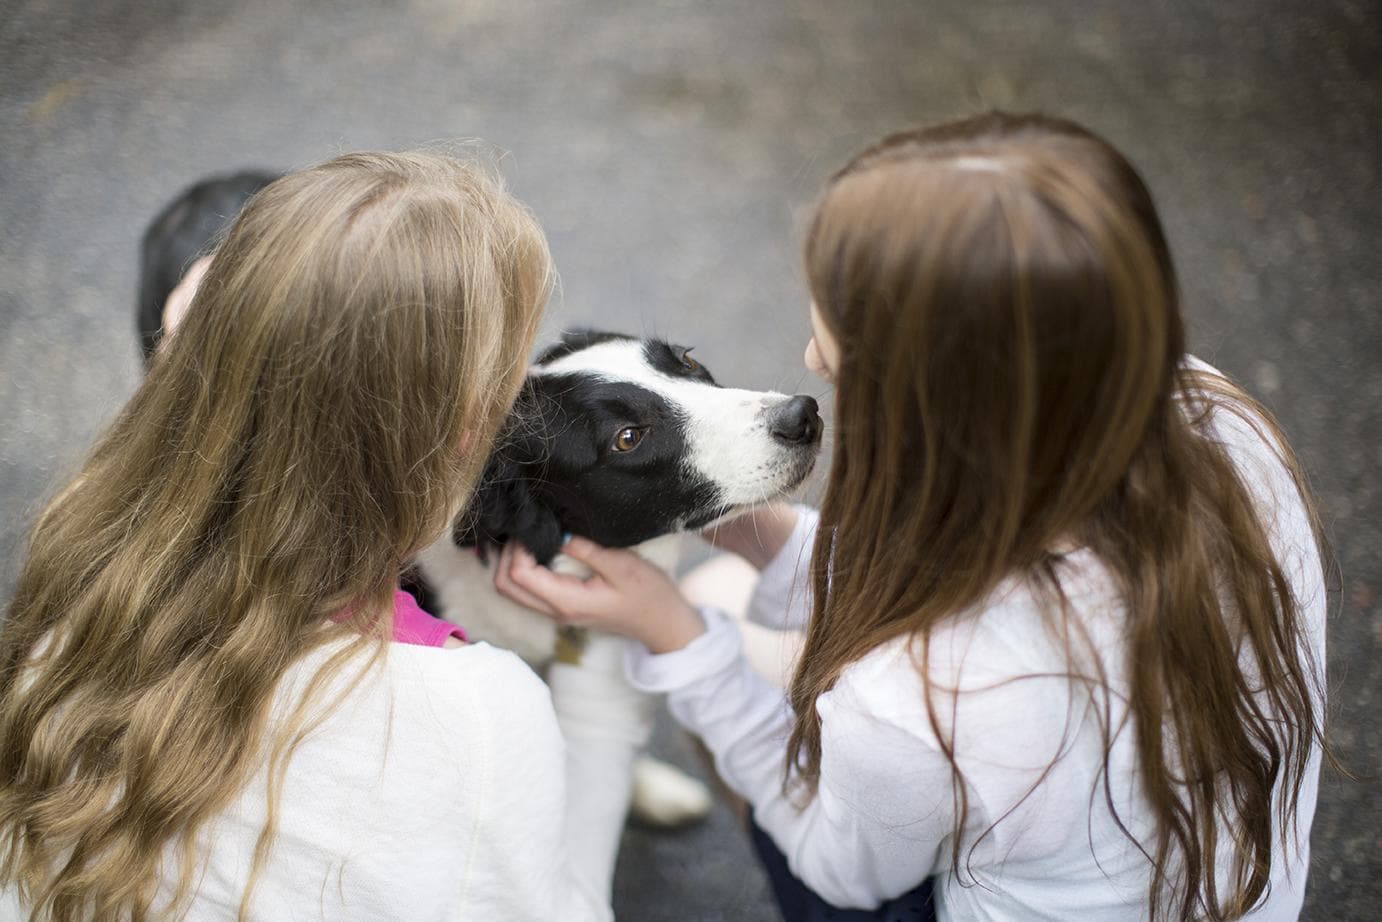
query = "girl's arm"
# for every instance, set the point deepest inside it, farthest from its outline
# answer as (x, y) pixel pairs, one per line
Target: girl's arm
(883, 804)
(884, 800)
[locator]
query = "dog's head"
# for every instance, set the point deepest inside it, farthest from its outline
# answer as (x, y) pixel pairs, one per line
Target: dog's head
(622, 440)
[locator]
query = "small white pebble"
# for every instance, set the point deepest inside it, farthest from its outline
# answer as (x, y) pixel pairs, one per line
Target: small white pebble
(1267, 377)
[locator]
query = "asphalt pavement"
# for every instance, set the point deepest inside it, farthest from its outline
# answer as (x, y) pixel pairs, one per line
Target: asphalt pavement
(671, 150)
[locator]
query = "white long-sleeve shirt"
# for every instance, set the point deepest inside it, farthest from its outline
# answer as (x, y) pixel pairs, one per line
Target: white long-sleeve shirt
(883, 817)
(433, 791)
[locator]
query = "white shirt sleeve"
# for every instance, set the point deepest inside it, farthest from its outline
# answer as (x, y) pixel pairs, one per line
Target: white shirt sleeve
(782, 597)
(884, 801)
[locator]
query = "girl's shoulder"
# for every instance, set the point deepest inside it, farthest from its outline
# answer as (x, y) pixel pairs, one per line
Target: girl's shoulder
(468, 706)
(473, 692)
(1267, 468)
(459, 672)
(1223, 412)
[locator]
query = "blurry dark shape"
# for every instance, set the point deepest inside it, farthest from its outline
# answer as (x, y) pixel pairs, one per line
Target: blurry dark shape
(186, 228)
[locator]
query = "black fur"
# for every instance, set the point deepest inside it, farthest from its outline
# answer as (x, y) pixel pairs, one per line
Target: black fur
(555, 471)
(576, 340)
(505, 505)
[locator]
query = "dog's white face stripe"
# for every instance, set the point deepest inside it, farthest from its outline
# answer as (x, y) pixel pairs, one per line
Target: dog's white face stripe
(727, 429)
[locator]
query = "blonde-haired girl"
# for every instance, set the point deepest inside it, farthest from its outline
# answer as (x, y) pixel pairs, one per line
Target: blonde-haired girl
(1064, 610)
(214, 703)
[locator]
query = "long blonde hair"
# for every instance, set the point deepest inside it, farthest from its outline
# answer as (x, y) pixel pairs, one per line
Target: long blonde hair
(1011, 379)
(323, 411)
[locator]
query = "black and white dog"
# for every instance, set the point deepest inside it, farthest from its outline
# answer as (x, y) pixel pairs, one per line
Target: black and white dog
(623, 441)
(629, 442)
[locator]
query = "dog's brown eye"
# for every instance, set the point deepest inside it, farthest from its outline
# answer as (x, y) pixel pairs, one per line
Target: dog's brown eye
(628, 439)
(690, 363)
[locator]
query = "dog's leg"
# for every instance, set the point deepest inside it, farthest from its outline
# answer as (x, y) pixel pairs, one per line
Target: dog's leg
(606, 723)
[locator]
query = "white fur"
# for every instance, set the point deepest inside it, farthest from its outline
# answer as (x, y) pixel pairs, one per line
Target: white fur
(730, 443)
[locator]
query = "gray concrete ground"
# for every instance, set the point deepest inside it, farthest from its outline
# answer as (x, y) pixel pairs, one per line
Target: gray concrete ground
(670, 149)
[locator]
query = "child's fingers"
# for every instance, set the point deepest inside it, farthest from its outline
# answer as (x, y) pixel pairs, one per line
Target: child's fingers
(610, 563)
(565, 597)
(507, 587)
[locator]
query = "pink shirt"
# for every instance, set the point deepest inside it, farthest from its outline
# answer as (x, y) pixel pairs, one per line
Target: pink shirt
(412, 625)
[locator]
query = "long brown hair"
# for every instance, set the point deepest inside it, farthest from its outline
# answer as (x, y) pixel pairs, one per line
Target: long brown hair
(1011, 381)
(324, 409)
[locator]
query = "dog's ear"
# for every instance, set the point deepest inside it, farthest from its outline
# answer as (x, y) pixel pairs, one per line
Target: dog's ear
(507, 504)
(506, 508)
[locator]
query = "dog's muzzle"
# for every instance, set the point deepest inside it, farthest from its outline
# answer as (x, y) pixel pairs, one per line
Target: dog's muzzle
(796, 421)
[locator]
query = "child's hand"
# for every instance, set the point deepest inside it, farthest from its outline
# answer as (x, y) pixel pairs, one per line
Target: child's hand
(624, 594)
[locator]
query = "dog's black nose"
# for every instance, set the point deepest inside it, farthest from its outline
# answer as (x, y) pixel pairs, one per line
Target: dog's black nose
(796, 421)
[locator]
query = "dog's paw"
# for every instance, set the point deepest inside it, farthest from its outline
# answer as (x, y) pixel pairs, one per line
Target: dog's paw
(665, 797)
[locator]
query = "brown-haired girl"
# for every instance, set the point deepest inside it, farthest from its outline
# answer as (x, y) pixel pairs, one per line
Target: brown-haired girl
(214, 702)
(1064, 639)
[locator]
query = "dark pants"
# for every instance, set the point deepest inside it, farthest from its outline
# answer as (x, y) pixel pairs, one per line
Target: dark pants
(799, 904)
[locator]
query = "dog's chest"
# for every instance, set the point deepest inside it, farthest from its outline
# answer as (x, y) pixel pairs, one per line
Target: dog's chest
(463, 587)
